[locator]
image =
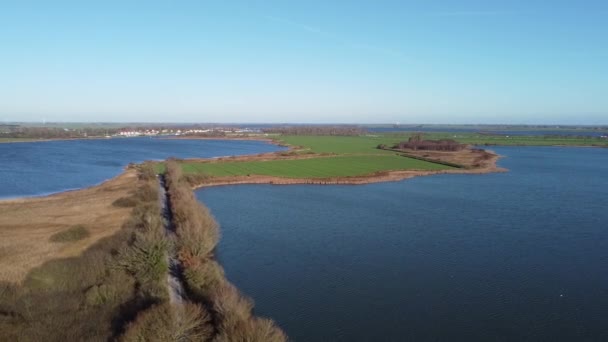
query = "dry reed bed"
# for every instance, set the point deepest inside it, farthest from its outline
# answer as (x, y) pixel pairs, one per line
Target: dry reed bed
(92, 297)
(27, 224)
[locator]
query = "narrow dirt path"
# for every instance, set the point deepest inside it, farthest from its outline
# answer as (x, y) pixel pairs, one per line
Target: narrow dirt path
(177, 294)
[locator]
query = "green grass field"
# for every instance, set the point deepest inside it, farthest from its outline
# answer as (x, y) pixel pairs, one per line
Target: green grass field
(338, 166)
(354, 156)
(358, 155)
(340, 145)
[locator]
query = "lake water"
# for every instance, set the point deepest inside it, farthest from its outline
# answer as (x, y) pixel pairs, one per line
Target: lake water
(37, 168)
(517, 256)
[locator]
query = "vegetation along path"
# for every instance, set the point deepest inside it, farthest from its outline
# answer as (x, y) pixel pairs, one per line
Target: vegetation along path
(177, 294)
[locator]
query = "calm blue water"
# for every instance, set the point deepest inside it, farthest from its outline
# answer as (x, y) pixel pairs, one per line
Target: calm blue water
(518, 256)
(37, 168)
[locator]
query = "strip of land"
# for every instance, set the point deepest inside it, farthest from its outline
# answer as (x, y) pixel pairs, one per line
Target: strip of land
(98, 255)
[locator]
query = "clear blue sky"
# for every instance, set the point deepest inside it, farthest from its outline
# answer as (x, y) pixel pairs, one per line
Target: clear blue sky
(305, 61)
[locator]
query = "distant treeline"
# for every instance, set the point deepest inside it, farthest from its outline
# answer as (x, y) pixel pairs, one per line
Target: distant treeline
(342, 130)
(15, 131)
(416, 142)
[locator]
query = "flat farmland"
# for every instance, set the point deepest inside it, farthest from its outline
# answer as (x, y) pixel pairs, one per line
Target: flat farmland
(336, 166)
(340, 144)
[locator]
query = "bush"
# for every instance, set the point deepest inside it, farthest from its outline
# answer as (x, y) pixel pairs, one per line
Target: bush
(146, 171)
(166, 323)
(75, 233)
(56, 301)
(197, 235)
(146, 259)
(202, 278)
(195, 179)
(145, 217)
(88, 297)
(254, 330)
(125, 202)
(147, 192)
(196, 228)
(232, 309)
(236, 322)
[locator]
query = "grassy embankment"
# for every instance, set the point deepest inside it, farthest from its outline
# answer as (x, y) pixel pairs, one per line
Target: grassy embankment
(93, 295)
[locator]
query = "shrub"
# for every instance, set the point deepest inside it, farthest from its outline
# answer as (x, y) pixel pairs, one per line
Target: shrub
(254, 330)
(74, 233)
(202, 278)
(55, 302)
(196, 228)
(145, 217)
(166, 323)
(147, 192)
(146, 171)
(232, 309)
(125, 202)
(195, 179)
(236, 322)
(197, 235)
(91, 297)
(146, 260)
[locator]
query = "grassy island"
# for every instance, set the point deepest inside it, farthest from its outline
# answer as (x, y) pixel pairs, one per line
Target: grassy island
(332, 160)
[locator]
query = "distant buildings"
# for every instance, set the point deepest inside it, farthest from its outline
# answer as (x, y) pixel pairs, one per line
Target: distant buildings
(138, 132)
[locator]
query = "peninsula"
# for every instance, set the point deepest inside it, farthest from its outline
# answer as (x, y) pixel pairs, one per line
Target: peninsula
(99, 256)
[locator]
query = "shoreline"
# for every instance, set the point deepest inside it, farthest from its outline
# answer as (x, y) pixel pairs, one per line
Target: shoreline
(377, 177)
(93, 205)
(252, 138)
(126, 172)
(33, 140)
(125, 168)
(27, 223)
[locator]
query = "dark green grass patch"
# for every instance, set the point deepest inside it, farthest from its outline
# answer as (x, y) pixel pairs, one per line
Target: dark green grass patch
(72, 234)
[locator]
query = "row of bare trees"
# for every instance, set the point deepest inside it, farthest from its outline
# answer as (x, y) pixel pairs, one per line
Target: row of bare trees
(217, 311)
(416, 142)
